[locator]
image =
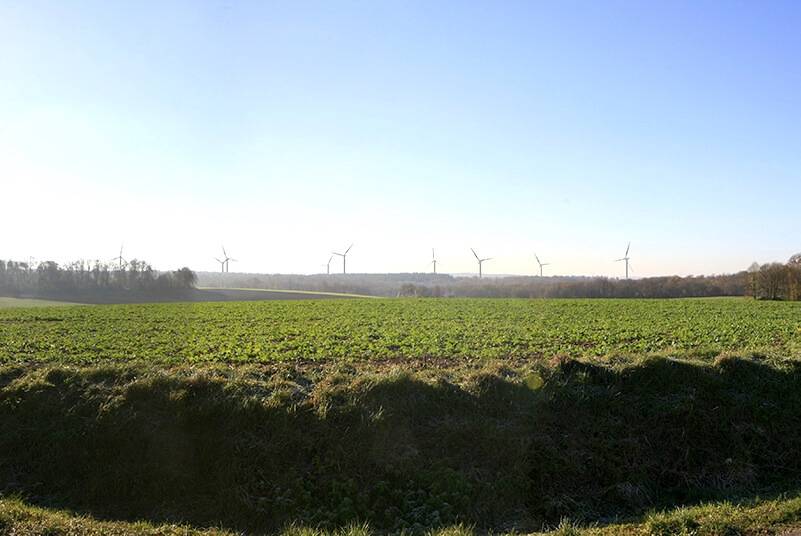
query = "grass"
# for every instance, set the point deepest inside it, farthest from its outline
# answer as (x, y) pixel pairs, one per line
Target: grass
(289, 291)
(7, 303)
(761, 517)
(403, 329)
(448, 417)
(258, 447)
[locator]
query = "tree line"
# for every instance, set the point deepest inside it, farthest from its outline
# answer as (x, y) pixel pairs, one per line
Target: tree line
(51, 278)
(443, 285)
(772, 281)
(587, 287)
(776, 281)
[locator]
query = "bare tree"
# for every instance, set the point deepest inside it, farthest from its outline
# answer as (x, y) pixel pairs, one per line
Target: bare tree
(753, 279)
(773, 281)
(794, 277)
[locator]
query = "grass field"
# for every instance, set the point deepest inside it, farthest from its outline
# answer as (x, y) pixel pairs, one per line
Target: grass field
(403, 328)
(770, 516)
(295, 293)
(451, 417)
(6, 303)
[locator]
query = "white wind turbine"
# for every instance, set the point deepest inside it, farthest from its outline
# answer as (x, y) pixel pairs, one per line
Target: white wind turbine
(223, 264)
(344, 257)
(626, 258)
(227, 260)
(121, 263)
(541, 263)
(434, 261)
(480, 261)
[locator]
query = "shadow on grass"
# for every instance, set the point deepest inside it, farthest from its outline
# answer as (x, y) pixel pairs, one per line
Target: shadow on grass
(250, 449)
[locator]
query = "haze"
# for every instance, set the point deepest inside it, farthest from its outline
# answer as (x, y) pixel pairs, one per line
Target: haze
(289, 130)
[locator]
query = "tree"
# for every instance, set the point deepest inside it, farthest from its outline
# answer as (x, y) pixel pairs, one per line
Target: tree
(773, 281)
(185, 277)
(794, 277)
(753, 279)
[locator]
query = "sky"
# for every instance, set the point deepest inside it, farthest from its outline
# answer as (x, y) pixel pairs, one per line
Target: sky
(288, 130)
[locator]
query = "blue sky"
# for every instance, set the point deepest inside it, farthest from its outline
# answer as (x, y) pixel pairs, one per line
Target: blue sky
(288, 130)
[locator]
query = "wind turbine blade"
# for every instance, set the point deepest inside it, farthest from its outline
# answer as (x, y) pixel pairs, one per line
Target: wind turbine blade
(627, 249)
(346, 251)
(487, 259)
(432, 254)
(475, 254)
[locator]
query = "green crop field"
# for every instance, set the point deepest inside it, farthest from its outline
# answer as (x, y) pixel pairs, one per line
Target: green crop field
(415, 416)
(408, 328)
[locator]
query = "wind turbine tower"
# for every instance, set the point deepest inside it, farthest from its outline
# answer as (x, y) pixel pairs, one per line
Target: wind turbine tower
(344, 257)
(434, 261)
(223, 265)
(480, 261)
(541, 263)
(224, 261)
(626, 258)
(227, 260)
(120, 261)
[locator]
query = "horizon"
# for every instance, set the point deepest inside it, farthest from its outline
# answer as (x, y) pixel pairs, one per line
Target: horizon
(487, 275)
(287, 132)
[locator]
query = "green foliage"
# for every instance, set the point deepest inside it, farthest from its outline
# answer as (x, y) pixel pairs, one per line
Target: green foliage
(400, 329)
(264, 446)
(402, 416)
(773, 516)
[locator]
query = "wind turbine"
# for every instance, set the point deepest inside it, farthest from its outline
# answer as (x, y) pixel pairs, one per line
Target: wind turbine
(480, 261)
(541, 263)
(434, 261)
(344, 257)
(328, 265)
(120, 261)
(224, 261)
(222, 264)
(625, 258)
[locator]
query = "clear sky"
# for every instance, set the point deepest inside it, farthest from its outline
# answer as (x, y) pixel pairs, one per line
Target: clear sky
(287, 130)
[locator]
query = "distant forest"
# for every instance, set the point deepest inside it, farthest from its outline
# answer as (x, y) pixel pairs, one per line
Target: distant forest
(773, 281)
(84, 278)
(442, 285)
